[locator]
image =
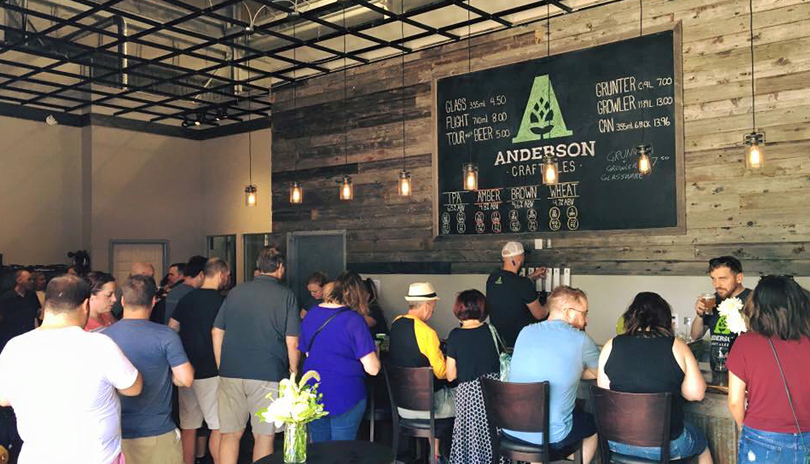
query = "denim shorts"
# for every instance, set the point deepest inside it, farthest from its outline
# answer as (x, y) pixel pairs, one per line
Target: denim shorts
(773, 447)
(690, 442)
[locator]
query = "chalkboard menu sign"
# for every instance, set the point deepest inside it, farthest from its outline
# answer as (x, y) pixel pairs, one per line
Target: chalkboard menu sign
(589, 109)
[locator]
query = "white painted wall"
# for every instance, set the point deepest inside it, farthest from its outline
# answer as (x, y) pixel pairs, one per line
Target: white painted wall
(608, 296)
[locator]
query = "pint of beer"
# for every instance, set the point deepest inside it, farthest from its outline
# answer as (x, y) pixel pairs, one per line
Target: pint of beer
(709, 302)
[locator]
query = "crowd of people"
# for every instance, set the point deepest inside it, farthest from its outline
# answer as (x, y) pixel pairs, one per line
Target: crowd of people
(108, 355)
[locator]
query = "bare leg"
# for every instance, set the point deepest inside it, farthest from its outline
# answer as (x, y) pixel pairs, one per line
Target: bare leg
(201, 444)
(189, 438)
(705, 457)
(589, 448)
(262, 446)
(213, 445)
(229, 447)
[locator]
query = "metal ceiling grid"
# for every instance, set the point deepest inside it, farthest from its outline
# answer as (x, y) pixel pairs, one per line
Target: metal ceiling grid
(205, 62)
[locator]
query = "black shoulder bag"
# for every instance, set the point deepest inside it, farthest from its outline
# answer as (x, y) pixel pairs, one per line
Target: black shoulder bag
(312, 340)
(790, 403)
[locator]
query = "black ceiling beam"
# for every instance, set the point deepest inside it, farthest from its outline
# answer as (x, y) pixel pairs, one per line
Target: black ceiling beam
(559, 4)
(467, 6)
(404, 19)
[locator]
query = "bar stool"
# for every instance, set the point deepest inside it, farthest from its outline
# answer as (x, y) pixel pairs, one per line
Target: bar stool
(639, 419)
(523, 407)
(412, 388)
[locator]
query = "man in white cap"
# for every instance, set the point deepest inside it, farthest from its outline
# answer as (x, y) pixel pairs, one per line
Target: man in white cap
(415, 344)
(511, 299)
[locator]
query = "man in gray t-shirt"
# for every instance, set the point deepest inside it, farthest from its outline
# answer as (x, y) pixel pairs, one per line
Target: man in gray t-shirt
(255, 340)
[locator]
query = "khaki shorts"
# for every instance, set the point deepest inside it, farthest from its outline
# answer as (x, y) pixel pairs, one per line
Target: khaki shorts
(199, 402)
(444, 406)
(162, 449)
(239, 399)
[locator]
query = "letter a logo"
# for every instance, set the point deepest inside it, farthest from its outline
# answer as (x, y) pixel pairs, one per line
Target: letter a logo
(542, 118)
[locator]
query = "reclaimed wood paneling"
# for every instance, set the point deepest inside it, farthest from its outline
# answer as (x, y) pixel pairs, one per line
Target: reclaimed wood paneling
(761, 217)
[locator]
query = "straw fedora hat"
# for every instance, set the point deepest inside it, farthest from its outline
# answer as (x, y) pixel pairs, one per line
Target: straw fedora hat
(421, 291)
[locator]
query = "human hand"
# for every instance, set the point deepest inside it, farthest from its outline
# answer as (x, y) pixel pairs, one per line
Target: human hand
(539, 273)
(700, 307)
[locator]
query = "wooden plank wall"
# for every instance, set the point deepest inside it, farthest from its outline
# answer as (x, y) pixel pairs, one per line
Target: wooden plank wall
(761, 217)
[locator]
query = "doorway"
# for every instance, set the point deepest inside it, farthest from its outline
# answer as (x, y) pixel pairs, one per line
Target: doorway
(308, 252)
(125, 253)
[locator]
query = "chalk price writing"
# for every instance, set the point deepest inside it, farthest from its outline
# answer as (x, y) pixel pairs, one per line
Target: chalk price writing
(664, 101)
(662, 121)
(476, 104)
(497, 100)
(499, 117)
(664, 81)
(624, 126)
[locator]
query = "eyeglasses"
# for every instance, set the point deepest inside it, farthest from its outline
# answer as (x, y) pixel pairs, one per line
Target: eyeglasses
(584, 313)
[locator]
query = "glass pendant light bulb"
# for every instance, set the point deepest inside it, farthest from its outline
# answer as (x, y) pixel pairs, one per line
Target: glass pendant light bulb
(296, 194)
(405, 183)
(753, 157)
(644, 162)
(346, 188)
(470, 176)
(250, 196)
(549, 171)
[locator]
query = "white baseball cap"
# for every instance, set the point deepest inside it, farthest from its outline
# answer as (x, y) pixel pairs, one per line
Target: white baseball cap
(512, 249)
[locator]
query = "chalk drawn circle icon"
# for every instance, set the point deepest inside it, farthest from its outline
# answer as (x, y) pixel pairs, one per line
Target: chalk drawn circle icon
(445, 218)
(513, 215)
(531, 214)
(480, 227)
(532, 225)
(461, 227)
(461, 217)
(572, 212)
(496, 217)
(554, 224)
(479, 216)
(554, 213)
(445, 229)
(496, 227)
(573, 223)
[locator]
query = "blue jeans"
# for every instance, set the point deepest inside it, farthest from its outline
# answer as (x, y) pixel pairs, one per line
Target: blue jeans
(342, 427)
(690, 442)
(773, 447)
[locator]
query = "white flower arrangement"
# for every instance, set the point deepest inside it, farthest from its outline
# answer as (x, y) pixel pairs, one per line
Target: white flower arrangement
(297, 402)
(731, 309)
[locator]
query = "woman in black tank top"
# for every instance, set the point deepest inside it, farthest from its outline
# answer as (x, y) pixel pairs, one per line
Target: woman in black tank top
(648, 358)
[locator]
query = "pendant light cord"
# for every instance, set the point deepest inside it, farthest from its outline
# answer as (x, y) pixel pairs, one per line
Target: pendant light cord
(753, 90)
(250, 137)
(641, 34)
(469, 66)
(402, 91)
(295, 98)
(345, 84)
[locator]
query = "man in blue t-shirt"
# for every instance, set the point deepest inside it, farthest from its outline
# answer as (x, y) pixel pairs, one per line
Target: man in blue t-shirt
(149, 434)
(559, 351)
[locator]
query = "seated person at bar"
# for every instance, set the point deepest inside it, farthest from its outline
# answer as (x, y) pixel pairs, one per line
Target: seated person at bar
(727, 279)
(315, 285)
(414, 344)
(648, 358)
(769, 361)
(512, 301)
(559, 351)
(375, 319)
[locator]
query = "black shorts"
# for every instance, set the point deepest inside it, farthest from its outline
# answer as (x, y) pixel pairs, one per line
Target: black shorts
(582, 427)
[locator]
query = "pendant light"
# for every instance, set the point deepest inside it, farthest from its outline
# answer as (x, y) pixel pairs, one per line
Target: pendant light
(644, 150)
(346, 186)
(404, 186)
(548, 168)
(296, 192)
(251, 200)
(753, 155)
(470, 169)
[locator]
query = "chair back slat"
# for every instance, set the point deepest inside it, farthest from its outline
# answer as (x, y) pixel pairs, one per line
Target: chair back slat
(411, 387)
(640, 419)
(517, 406)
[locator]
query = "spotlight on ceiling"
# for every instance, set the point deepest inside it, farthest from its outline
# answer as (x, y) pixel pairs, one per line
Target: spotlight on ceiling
(51, 120)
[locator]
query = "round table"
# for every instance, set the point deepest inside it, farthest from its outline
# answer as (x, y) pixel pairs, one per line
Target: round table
(339, 452)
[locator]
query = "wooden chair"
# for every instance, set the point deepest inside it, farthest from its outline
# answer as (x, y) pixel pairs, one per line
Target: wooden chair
(412, 388)
(522, 407)
(639, 419)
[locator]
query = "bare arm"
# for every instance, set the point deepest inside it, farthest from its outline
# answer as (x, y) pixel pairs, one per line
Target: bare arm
(134, 389)
(371, 363)
(217, 335)
(539, 311)
(602, 379)
(4, 402)
(292, 353)
(698, 329)
(452, 373)
(736, 398)
(183, 375)
(174, 324)
(589, 374)
(693, 387)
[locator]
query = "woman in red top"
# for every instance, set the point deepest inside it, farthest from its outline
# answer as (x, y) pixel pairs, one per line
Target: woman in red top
(102, 298)
(778, 316)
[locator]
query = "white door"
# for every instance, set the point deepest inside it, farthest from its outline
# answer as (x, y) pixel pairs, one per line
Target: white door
(124, 255)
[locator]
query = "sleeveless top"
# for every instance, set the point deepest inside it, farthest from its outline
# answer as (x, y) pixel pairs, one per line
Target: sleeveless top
(647, 365)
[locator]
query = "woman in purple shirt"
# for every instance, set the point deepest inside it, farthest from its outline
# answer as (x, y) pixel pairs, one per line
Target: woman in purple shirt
(342, 353)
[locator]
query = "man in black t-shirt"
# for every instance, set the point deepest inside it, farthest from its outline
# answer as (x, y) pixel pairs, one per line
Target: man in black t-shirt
(193, 319)
(512, 301)
(19, 308)
(727, 279)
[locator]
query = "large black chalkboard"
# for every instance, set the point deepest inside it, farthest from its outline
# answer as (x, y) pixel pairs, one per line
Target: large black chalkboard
(590, 108)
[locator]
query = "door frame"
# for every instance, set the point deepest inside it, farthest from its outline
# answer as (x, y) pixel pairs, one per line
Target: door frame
(291, 255)
(163, 242)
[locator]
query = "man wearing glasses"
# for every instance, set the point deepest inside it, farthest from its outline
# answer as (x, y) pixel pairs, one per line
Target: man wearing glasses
(559, 351)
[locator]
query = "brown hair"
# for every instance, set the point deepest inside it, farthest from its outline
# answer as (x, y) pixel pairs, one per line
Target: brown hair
(269, 260)
(562, 294)
(648, 315)
(318, 277)
(348, 289)
(779, 307)
(470, 304)
(66, 293)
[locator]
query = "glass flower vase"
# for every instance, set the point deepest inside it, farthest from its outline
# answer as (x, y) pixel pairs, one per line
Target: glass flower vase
(295, 443)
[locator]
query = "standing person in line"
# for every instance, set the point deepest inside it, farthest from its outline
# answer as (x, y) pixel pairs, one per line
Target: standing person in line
(150, 434)
(144, 269)
(193, 279)
(343, 353)
(512, 301)
(67, 408)
(776, 421)
(472, 353)
(193, 319)
(255, 338)
(648, 358)
(102, 299)
(19, 308)
(315, 286)
(40, 282)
